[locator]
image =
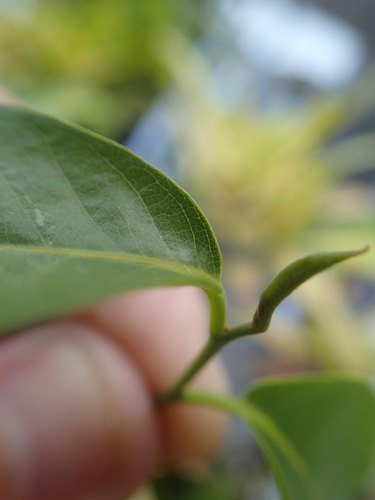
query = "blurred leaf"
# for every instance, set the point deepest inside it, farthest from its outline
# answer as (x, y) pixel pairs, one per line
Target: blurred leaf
(351, 156)
(272, 172)
(82, 218)
(172, 486)
(67, 98)
(107, 46)
(292, 277)
(317, 432)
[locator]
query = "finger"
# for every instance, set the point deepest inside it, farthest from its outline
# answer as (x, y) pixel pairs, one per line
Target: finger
(6, 97)
(163, 330)
(75, 417)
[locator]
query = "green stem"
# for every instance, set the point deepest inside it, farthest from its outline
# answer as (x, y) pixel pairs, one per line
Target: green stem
(242, 331)
(227, 404)
(219, 337)
(218, 313)
(213, 345)
(215, 342)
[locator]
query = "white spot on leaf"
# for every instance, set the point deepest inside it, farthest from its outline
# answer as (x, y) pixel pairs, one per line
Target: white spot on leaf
(39, 217)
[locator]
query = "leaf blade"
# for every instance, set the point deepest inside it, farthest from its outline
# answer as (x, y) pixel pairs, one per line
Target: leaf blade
(329, 422)
(290, 278)
(67, 195)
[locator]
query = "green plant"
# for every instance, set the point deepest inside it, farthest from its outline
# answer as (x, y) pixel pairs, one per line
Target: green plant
(63, 57)
(77, 210)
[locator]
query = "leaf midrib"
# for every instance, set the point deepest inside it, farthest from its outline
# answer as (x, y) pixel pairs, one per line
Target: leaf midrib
(122, 257)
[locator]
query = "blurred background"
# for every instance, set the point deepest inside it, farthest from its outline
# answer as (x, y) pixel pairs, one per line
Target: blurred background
(264, 110)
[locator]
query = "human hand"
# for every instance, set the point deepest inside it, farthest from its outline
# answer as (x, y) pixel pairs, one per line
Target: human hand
(77, 419)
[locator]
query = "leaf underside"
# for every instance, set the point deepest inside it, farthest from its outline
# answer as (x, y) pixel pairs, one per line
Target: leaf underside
(82, 218)
(317, 432)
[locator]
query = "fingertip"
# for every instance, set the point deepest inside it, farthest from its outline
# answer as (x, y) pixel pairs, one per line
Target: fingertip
(76, 420)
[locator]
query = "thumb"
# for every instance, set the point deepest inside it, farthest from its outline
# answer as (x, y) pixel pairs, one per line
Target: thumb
(75, 417)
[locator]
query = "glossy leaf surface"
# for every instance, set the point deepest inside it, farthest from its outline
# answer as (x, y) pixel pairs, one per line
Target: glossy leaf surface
(317, 432)
(82, 218)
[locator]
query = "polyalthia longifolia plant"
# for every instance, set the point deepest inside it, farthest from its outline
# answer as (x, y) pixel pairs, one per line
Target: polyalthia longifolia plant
(83, 219)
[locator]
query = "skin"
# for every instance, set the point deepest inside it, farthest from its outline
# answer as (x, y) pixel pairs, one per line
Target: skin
(77, 419)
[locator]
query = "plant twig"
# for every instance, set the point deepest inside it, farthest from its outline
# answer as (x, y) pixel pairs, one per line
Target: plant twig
(213, 345)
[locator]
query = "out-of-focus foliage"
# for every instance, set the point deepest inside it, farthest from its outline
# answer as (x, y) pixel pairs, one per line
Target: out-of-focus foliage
(92, 62)
(264, 179)
(184, 487)
(269, 175)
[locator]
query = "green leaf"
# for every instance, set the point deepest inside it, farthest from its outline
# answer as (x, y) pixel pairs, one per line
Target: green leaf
(317, 432)
(172, 485)
(82, 218)
(292, 277)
